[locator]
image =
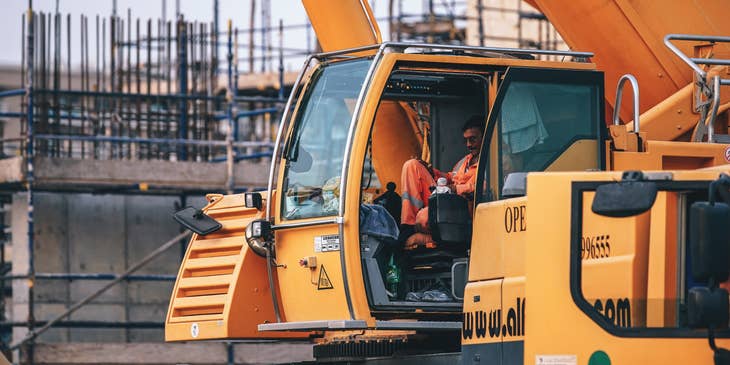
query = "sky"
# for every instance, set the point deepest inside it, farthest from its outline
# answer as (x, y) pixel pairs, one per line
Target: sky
(290, 11)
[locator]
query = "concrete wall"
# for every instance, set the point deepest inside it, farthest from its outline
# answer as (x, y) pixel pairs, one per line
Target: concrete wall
(83, 233)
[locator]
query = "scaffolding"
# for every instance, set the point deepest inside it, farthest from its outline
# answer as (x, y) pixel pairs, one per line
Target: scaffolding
(134, 91)
(142, 91)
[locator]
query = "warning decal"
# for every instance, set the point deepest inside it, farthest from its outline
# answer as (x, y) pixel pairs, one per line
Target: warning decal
(324, 280)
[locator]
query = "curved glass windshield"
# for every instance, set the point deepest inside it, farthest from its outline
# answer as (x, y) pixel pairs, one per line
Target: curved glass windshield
(317, 145)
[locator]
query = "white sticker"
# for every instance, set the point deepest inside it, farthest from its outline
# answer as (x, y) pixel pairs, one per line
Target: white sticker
(727, 154)
(556, 359)
(326, 243)
(194, 330)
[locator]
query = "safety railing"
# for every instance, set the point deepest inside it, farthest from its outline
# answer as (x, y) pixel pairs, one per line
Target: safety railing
(707, 93)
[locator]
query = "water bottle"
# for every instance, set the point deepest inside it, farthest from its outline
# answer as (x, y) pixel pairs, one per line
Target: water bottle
(441, 186)
(392, 277)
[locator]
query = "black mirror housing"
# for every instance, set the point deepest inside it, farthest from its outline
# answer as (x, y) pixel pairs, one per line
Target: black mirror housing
(254, 200)
(196, 221)
(259, 235)
(707, 308)
(710, 241)
(624, 199)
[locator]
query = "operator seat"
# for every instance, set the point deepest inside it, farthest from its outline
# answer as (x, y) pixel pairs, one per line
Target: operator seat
(449, 220)
(450, 223)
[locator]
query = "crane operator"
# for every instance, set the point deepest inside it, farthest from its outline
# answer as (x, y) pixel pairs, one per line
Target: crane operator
(417, 178)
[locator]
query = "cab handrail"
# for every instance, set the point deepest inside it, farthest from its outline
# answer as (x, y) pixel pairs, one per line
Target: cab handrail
(619, 94)
(694, 62)
(428, 46)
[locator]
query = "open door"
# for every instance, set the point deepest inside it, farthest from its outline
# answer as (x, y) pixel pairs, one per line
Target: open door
(342, 24)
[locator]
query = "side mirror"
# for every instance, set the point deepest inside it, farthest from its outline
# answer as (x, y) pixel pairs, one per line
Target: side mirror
(254, 200)
(710, 241)
(259, 236)
(709, 248)
(707, 308)
(196, 221)
(624, 198)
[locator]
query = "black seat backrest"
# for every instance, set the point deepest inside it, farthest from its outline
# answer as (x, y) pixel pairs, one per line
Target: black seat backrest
(449, 219)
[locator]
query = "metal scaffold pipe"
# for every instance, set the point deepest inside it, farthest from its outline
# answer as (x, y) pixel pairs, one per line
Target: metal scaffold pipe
(32, 335)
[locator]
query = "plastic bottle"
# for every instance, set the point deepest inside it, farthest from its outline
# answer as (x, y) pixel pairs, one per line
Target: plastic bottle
(441, 186)
(392, 277)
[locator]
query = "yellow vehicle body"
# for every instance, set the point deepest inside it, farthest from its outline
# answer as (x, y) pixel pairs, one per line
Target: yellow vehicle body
(524, 279)
(566, 286)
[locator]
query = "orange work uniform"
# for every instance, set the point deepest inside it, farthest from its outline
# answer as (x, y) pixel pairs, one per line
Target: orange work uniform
(416, 180)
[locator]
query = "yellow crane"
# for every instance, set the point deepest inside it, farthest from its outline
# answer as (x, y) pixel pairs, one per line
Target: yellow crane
(586, 240)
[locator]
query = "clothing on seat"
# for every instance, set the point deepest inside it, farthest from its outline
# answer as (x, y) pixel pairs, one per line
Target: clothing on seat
(377, 222)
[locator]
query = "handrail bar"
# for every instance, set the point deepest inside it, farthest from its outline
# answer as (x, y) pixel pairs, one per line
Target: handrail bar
(619, 94)
(694, 62)
(504, 50)
(715, 107)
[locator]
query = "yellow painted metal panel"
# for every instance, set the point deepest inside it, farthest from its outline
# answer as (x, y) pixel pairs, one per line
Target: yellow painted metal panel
(394, 141)
(207, 262)
(614, 253)
(303, 297)
(207, 301)
(482, 310)
(214, 294)
(342, 24)
(661, 309)
(555, 324)
(195, 282)
(499, 239)
(513, 308)
(660, 155)
(581, 155)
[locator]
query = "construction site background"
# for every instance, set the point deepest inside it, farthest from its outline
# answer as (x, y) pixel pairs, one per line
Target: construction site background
(102, 141)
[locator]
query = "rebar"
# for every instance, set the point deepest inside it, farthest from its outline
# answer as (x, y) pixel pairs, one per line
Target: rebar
(125, 90)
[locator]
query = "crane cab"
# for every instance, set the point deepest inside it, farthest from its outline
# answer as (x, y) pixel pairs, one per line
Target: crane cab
(355, 121)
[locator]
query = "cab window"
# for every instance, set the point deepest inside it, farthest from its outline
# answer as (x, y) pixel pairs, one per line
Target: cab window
(543, 120)
(314, 151)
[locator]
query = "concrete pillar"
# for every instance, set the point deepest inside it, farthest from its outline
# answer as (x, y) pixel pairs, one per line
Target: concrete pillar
(19, 257)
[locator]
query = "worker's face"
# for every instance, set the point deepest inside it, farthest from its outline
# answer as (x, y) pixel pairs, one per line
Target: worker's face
(473, 140)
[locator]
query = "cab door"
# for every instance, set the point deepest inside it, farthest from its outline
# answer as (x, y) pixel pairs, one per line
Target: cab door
(307, 237)
(542, 120)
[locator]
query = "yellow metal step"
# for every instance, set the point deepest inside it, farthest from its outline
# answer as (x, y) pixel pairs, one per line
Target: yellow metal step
(202, 281)
(224, 246)
(209, 266)
(206, 262)
(200, 302)
(195, 318)
(203, 285)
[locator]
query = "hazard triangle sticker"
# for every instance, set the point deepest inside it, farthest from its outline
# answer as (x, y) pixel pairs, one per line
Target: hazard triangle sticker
(324, 280)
